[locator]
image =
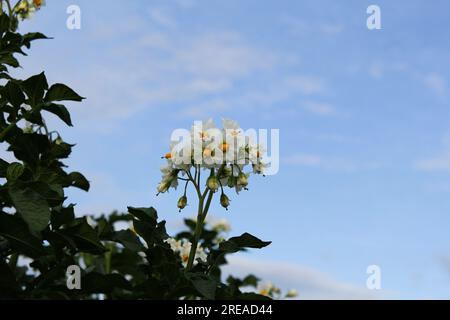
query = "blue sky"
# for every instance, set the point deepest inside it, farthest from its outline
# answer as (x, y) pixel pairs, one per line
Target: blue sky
(363, 115)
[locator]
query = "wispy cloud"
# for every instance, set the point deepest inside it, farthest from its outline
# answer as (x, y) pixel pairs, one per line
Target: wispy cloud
(301, 27)
(308, 160)
(333, 163)
(158, 16)
(320, 108)
(310, 283)
(440, 163)
(323, 162)
(435, 82)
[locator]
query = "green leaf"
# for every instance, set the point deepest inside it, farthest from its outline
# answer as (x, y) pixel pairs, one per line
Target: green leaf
(204, 284)
(31, 207)
(84, 236)
(3, 167)
(8, 284)
(9, 60)
(63, 216)
(19, 237)
(31, 36)
(129, 240)
(144, 214)
(58, 110)
(79, 181)
(35, 87)
(4, 23)
(95, 282)
(14, 94)
(245, 240)
(14, 171)
(61, 92)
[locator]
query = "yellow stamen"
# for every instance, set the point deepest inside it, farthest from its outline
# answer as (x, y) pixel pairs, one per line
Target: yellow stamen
(225, 147)
(207, 152)
(168, 155)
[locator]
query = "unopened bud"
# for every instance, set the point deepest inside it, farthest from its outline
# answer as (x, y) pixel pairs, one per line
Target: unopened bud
(242, 179)
(212, 183)
(163, 186)
(224, 201)
(182, 202)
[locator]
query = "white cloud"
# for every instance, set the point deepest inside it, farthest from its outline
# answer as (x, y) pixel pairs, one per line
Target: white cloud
(320, 108)
(334, 163)
(186, 3)
(441, 163)
(331, 28)
(310, 283)
(221, 54)
(309, 160)
(162, 19)
(376, 70)
(435, 83)
(307, 85)
(301, 27)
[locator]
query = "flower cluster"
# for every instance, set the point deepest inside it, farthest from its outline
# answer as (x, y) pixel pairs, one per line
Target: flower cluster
(223, 153)
(183, 248)
(26, 8)
(269, 290)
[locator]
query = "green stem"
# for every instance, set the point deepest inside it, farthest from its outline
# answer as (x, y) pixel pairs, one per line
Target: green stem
(7, 129)
(13, 260)
(108, 255)
(201, 216)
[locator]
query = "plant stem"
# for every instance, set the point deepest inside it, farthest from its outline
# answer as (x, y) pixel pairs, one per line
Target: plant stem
(108, 255)
(7, 129)
(13, 260)
(202, 212)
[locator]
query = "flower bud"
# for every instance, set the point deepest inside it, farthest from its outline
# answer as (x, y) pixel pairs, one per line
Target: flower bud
(242, 180)
(231, 182)
(212, 183)
(163, 186)
(292, 293)
(224, 201)
(226, 172)
(182, 202)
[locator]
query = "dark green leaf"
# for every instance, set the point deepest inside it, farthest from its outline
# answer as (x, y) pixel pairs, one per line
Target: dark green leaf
(79, 181)
(144, 214)
(14, 94)
(31, 207)
(61, 92)
(84, 236)
(204, 284)
(9, 60)
(129, 240)
(95, 282)
(35, 87)
(58, 110)
(245, 240)
(20, 238)
(28, 37)
(14, 171)
(62, 216)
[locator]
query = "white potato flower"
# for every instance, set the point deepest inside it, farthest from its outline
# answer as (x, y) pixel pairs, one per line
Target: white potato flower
(183, 248)
(225, 157)
(221, 225)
